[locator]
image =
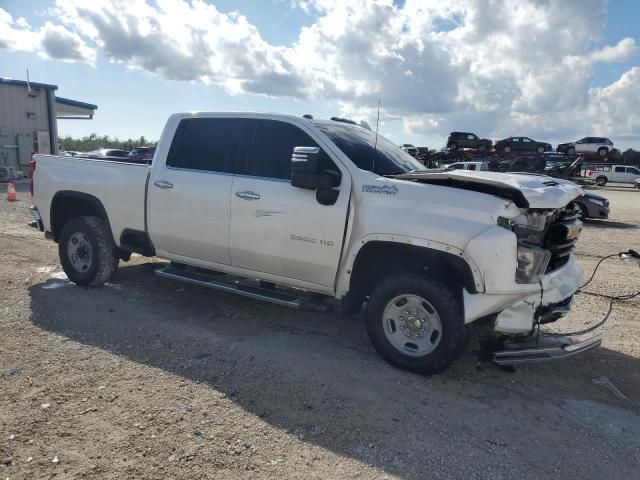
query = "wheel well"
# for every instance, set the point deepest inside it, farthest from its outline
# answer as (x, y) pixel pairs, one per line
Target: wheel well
(376, 260)
(68, 205)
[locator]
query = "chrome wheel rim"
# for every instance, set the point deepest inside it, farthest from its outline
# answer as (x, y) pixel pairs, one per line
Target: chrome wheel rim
(79, 252)
(412, 325)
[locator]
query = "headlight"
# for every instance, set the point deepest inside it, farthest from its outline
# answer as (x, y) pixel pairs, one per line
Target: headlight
(532, 263)
(602, 203)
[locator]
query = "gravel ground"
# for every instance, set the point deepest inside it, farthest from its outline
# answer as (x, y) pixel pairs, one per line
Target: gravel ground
(148, 378)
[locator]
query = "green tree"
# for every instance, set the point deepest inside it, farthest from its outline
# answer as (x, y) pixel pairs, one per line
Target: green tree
(94, 141)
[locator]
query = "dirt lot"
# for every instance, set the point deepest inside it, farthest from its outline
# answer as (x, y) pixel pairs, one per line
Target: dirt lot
(149, 378)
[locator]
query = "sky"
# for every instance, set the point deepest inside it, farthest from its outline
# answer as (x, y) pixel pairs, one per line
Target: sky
(553, 70)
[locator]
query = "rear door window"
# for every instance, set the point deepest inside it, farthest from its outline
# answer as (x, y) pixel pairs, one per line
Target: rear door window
(211, 144)
(619, 169)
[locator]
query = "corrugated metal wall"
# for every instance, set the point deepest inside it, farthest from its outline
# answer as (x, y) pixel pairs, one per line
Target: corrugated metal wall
(24, 114)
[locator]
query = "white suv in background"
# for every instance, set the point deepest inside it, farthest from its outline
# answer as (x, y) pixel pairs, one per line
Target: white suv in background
(599, 145)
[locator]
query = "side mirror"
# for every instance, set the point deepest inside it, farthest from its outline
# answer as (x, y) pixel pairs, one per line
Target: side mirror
(306, 169)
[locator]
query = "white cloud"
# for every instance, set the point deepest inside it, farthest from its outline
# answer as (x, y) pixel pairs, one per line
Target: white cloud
(620, 52)
(501, 67)
(50, 41)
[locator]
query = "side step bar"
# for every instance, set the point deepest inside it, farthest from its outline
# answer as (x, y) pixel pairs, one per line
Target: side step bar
(238, 287)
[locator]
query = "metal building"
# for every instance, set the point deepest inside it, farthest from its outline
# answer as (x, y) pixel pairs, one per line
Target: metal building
(28, 122)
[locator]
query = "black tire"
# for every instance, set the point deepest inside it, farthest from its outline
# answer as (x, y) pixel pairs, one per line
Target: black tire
(571, 151)
(507, 149)
(540, 149)
(453, 146)
(445, 302)
(482, 147)
(603, 151)
(103, 262)
(583, 213)
(601, 181)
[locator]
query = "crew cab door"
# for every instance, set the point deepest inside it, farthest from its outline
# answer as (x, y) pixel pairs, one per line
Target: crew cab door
(619, 174)
(188, 208)
(280, 229)
(631, 175)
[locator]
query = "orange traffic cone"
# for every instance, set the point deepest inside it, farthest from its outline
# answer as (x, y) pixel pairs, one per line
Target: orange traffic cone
(11, 192)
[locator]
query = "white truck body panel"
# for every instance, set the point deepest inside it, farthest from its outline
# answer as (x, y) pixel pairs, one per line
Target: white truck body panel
(287, 237)
(119, 186)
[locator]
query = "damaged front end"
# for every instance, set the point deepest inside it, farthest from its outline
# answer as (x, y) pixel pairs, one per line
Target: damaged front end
(545, 242)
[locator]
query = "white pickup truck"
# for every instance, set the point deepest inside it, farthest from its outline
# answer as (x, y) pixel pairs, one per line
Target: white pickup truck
(603, 174)
(302, 208)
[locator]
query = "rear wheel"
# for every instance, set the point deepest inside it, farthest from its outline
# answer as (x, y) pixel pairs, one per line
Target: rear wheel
(571, 151)
(507, 149)
(540, 149)
(602, 151)
(601, 181)
(416, 323)
(453, 146)
(87, 253)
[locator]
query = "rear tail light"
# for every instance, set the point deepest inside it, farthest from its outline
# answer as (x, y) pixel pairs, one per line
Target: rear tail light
(31, 169)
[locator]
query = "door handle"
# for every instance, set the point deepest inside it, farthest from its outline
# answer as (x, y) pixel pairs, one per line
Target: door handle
(248, 195)
(163, 184)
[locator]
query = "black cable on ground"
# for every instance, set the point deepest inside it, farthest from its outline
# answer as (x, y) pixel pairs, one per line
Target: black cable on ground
(611, 298)
(597, 266)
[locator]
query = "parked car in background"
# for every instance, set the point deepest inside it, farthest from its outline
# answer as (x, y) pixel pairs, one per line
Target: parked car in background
(467, 166)
(141, 154)
(591, 205)
(410, 149)
(467, 140)
(637, 184)
(522, 144)
(599, 145)
(106, 153)
(603, 174)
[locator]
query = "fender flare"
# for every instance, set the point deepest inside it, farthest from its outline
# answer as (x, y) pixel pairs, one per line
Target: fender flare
(344, 279)
(79, 195)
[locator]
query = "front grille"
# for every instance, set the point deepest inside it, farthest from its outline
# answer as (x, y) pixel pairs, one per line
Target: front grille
(558, 239)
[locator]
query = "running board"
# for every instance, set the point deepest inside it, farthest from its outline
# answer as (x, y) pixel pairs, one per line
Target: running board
(238, 287)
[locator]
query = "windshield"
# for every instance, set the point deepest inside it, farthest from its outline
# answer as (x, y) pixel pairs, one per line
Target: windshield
(359, 144)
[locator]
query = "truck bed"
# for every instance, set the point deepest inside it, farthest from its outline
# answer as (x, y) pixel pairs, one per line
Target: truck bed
(119, 186)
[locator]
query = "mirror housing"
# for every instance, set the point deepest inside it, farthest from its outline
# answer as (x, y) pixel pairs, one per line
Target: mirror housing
(306, 169)
(307, 172)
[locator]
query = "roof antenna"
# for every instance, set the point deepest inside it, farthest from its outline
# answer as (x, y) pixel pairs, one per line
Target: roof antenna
(375, 145)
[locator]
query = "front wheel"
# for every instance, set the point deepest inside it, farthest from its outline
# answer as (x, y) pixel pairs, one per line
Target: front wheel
(453, 146)
(540, 149)
(87, 253)
(507, 149)
(571, 151)
(602, 152)
(601, 181)
(416, 323)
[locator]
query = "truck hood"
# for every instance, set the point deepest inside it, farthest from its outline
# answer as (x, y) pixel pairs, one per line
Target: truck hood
(525, 190)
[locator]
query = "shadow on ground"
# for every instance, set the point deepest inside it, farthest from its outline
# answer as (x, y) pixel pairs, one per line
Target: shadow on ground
(611, 224)
(316, 375)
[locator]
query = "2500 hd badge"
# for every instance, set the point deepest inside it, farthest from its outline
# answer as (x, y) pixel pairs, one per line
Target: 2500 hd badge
(300, 238)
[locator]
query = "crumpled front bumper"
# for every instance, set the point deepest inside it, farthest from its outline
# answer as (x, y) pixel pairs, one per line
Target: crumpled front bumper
(516, 309)
(546, 348)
